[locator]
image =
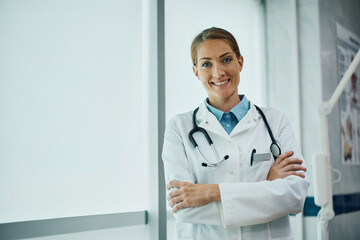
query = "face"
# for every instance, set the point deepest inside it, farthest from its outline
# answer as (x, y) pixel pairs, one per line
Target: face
(219, 69)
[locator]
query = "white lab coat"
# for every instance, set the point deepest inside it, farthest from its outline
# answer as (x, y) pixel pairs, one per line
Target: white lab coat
(251, 207)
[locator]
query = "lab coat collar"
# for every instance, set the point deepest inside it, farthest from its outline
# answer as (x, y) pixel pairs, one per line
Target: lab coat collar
(239, 110)
(248, 121)
(205, 119)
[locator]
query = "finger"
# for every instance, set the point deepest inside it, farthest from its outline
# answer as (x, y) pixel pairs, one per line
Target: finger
(175, 200)
(283, 156)
(296, 174)
(178, 206)
(173, 194)
(173, 183)
(289, 161)
(294, 167)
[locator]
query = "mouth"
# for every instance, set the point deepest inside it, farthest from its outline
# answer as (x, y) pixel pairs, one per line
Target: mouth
(221, 83)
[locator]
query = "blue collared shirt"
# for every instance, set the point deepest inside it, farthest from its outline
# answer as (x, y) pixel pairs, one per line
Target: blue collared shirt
(230, 119)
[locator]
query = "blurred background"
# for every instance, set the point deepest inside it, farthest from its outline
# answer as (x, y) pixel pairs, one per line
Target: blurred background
(86, 88)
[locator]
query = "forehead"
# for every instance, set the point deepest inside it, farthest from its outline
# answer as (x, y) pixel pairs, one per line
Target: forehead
(213, 48)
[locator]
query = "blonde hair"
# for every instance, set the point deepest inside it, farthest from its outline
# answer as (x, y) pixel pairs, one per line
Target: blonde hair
(213, 33)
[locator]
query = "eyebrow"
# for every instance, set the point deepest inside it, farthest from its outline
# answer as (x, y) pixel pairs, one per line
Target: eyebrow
(222, 55)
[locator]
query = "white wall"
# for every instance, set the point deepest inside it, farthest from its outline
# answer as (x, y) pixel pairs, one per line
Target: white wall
(244, 19)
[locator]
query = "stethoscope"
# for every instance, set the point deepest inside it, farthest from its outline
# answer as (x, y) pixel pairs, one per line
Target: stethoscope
(274, 147)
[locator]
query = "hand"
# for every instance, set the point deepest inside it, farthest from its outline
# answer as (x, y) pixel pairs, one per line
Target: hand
(285, 166)
(191, 195)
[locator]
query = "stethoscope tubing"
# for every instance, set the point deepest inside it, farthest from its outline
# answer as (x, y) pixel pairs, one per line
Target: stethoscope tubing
(195, 129)
(274, 147)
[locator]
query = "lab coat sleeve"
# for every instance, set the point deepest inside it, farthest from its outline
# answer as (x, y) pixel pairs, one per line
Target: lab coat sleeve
(177, 167)
(260, 202)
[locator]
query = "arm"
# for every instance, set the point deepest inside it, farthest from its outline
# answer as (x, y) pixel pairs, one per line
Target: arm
(261, 202)
(246, 203)
(186, 194)
(177, 167)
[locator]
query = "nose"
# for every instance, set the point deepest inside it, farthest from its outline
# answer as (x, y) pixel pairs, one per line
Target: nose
(218, 71)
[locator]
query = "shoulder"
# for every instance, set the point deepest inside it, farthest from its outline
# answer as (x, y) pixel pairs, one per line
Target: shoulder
(273, 112)
(180, 122)
(182, 117)
(274, 116)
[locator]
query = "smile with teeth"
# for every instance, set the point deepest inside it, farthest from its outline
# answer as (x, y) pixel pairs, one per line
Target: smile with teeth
(221, 83)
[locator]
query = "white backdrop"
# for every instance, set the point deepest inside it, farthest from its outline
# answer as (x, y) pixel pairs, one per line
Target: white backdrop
(184, 20)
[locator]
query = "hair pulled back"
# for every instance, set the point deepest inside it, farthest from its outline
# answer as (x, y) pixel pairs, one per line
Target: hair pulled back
(213, 33)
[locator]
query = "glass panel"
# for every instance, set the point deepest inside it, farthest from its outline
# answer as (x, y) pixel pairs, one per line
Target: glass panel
(70, 108)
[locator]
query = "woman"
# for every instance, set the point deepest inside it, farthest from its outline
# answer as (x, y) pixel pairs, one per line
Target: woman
(247, 194)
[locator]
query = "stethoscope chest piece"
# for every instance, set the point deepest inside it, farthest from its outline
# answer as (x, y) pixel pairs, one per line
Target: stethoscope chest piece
(275, 149)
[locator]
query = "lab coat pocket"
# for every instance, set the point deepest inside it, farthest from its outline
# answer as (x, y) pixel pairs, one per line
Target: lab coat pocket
(260, 164)
(259, 157)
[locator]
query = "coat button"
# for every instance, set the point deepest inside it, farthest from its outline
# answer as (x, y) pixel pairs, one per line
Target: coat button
(231, 172)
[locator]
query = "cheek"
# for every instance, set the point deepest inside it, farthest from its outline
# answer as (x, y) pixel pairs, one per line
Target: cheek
(235, 72)
(204, 76)
(205, 83)
(236, 77)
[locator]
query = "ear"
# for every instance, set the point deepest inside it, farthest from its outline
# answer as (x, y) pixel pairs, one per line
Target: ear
(241, 62)
(196, 72)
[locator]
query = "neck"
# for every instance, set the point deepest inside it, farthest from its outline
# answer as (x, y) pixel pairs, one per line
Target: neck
(225, 104)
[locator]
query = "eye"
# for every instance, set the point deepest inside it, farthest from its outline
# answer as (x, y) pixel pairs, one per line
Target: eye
(205, 64)
(227, 59)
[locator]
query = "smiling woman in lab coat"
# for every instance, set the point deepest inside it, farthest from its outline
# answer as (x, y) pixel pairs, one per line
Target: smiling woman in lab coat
(234, 199)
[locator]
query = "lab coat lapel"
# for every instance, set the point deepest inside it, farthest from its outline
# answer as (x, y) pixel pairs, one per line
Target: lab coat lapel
(248, 121)
(209, 122)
